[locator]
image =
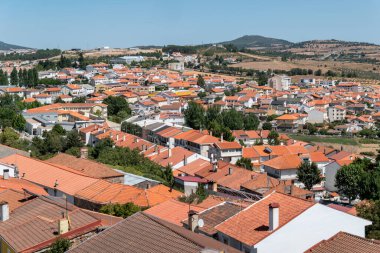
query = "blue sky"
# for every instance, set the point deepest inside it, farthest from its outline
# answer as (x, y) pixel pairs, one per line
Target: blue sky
(125, 23)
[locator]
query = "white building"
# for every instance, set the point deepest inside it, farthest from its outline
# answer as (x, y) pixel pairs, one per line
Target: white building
(280, 82)
(336, 113)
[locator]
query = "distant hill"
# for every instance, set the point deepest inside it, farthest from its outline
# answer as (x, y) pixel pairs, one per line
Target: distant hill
(5, 46)
(330, 43)
(257, 41)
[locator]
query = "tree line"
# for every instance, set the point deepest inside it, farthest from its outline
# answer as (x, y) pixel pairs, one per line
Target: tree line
(219, 122)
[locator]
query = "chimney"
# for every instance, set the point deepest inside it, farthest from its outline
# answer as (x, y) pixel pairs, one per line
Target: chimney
(63, 226)
(6, 174)
(184, 160)
(211, 133)
(124, 137)
(214, 186)
(274, 216)
(4, 211)
(84, 152)
(136, 139)
(117, 137)
(215, 167)
(16, 171)
(221, 138)
(169, 152)
(230, 171)
(193, 220)
(143, 147)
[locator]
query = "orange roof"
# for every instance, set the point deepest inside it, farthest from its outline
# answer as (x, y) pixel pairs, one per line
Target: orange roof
(250, 226)
(104, 192)
(228, 145)
(192, 168)
(285, 162)
(318, 157)
(20, 184)
(29, 100)
(288, 117)
(46, 174)
(173, 211)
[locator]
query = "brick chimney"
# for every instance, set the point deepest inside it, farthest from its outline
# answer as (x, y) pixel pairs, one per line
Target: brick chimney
(274, 216)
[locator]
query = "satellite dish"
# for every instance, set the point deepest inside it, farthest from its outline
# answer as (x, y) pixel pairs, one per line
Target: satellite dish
(201, 223)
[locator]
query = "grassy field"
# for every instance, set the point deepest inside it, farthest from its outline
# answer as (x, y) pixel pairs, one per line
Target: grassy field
(354, 145)
(333, 140)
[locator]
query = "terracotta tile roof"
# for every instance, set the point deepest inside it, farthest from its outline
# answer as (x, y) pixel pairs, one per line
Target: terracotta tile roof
(318, 157)
(223, 177)
(34, 225)
(285, 162)
(20, 185)
(250, 153)
(144, 233)
(103, 192)
(216, 215)
(169, 132)
(177, 155)
(193, 167)
(228, 145)
(343, 242)
(173, 211)
(14, 198)
(288, 117)
(88, 167)
(45, 174)
(251, 225)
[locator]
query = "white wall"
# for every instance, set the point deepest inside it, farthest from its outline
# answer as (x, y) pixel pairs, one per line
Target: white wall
(317, 223)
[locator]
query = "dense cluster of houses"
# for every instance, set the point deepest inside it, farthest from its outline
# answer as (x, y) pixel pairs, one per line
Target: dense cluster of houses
(248, 209)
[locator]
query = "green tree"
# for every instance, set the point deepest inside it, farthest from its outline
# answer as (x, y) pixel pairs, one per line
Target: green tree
(58, 129)
(117, 105)
(245, 162)
(267, 126)
(59, 100)
(82, 64)
(201, 193)
(347, 180)
(309, 174)
(200, 81)
(100, 146)
(168, 175)
(14, 77)
(73, 140)
(79, 100)
(273, 138)
(195, 115)
(19, 122)
(233, 119)
(8, 136)
(370, 210)
(60, 245)
(251, 122)
(120, 210)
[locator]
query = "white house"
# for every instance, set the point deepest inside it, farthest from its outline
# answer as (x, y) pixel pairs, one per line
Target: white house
(317, 223)
(317, 116)
(280, 82)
